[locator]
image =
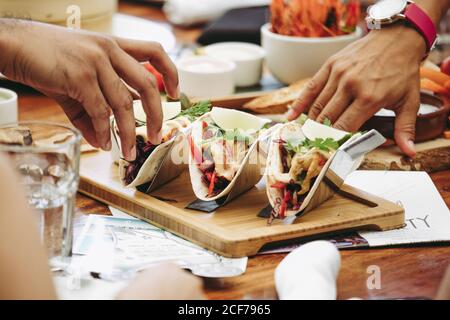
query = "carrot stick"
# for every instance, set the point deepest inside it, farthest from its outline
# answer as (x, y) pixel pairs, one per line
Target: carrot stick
(436, 76)
(447, 85)
(211, 184)
(427, 84)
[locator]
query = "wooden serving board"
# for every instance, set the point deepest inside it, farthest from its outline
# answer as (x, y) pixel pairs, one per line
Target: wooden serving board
(233, 230)
(432, 156)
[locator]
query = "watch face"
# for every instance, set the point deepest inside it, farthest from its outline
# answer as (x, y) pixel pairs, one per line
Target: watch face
(386, 9)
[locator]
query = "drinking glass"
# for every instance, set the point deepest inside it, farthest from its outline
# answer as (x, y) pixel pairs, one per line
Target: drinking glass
(47, 156)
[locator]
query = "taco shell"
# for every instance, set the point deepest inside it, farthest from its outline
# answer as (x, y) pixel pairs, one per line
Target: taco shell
(319, 191)
(249, 172)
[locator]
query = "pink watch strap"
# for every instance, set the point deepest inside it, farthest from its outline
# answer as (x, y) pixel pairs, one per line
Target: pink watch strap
(420, 20)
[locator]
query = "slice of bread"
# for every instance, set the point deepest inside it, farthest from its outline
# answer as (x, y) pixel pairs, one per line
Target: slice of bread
(277, 101)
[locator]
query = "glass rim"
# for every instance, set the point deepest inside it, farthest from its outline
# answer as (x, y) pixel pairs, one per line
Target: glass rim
(21, 148)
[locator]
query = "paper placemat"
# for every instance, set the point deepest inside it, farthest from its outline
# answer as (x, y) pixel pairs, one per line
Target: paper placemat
(426, 214)
(427, 218)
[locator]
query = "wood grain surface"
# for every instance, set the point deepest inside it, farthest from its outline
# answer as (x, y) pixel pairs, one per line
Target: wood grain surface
(233, 230)
(406, 271)
(431, 156)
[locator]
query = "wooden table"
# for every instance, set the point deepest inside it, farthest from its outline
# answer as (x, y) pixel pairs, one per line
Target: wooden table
(405, 271)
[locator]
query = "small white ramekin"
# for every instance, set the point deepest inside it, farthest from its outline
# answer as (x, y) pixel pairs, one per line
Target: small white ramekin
(206, 77)
(8, 106)
(248, 58)
(291, 59)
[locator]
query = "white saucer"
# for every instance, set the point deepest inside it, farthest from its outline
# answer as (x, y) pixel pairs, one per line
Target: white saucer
(136, 28)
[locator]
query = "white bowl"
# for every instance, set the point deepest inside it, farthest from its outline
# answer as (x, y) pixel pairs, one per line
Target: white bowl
(291, 59)
(206, 77)
(248, 58)
(8, 106)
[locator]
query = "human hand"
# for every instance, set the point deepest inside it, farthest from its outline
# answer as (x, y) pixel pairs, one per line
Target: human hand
(163, 282)
(378, 71)
(86, 74)
(444, 288)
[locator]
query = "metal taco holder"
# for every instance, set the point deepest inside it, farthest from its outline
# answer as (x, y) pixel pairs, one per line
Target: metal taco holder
(346, 160)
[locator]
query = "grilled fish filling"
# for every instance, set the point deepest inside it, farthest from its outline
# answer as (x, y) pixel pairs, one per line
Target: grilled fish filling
(300, 167)
(219, 155)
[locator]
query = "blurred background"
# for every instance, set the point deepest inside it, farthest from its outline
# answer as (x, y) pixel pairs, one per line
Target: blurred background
(100, 15)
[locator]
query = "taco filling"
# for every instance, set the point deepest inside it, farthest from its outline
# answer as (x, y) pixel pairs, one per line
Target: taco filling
(144, 148)
(219, 154)
(298, 162)
(170, 129)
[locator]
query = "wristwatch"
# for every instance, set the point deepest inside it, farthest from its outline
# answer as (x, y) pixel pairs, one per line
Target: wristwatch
(386, 12)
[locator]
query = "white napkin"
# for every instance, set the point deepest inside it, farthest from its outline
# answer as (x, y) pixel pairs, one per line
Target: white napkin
(309, 272)
(188, 12)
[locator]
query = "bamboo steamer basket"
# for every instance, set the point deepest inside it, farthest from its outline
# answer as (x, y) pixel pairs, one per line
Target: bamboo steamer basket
(96, 15)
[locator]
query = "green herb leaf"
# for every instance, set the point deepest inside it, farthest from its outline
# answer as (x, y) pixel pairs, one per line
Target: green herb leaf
(327, 144)
(303, 146)
(345, 138)
(327, 122)
(302, 119)
(296, 147)
(267, 125)
(237, 135)
(185, 102)
(197, 110)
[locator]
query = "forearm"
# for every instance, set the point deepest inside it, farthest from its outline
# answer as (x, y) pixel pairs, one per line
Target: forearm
(12, 33)
(407, 37)
(436, 9)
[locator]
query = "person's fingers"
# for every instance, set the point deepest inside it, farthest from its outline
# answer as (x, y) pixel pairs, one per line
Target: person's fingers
(355, 115)
(336, 106)
(121, 102)
(145, 84)
(134, 94)
(405, 123)
(154, 53)
(310, 93)
(80, 119)
(324, 98)
(97, 108)
(84, 124)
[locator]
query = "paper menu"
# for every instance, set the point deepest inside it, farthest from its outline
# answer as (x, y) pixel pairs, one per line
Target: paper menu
(123, 244)
(427, 217)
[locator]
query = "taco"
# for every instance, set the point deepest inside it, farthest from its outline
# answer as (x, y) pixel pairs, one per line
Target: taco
(148, 156)
(298, 158)
(223, 149)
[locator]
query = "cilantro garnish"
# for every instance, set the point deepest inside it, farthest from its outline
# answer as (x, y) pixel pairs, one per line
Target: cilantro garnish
(327, 122)
(237, 135)
(328, 144)
(185, 102)
(267, 126)
(345, 138)
(231, 135)
(302, 119)
(196, 110)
